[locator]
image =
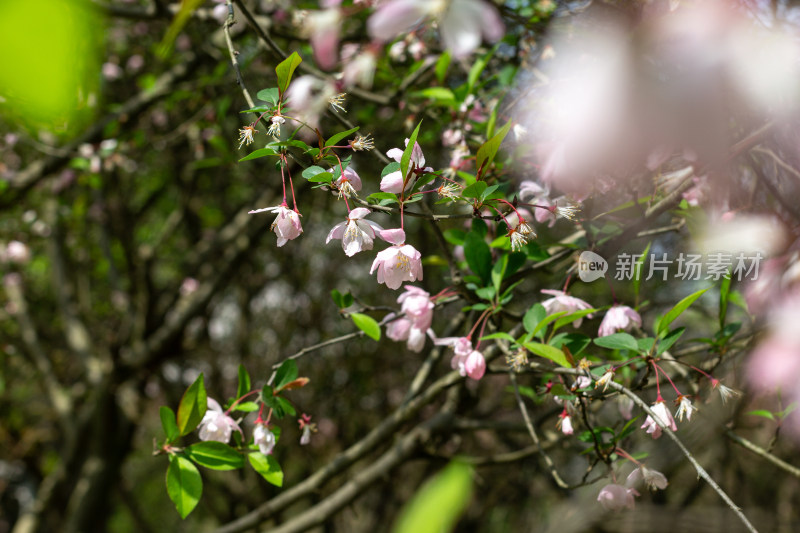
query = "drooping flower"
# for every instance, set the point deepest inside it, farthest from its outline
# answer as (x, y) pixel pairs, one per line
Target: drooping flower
(417, 306)
(605, 379)
(307, 428)
(275, 125)
(520, 234)
(216, 425)
(685, 407)
(517, 360)
(246, 135)
(398, 263)
(362, 143)
(724, 392)
(264, 439)
(652, 478)
(348, 183)
(403, 329)
(615, 497)
(561, 301)
(664, 419)
(462, 23)
(286, 225)
(619, 318)
(565, 423)
(467, 361)
(356, 233)
(337, 102)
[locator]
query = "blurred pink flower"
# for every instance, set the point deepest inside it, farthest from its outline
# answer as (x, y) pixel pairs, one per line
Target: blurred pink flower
(619, 317)
(615, 497)
(462, 23)
(323, 30)
(652, 478)
(474, 365)
(565, 423)
(417, 306)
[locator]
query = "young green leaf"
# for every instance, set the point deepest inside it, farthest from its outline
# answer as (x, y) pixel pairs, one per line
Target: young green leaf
(548, 352)
(184, 484)
(367, 324)
(268, 467)
(663, 325)
(618, 341)
(478, 256)
(261, 152)
(169, 423)
(215, 455)
(285, 70)
(339, 136)
(488, 151)
(244, 382)
(286, 373)
(406, 159)
(269, 95)
(475, 190)
(533, 316)
(668, 340)
(193, 406)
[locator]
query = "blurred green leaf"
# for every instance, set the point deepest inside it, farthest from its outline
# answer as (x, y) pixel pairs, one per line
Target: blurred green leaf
(435, 508)
(193, 406)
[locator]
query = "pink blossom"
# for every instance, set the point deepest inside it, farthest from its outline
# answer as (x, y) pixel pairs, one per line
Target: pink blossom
(664, 419)
(625, 407)
(356, 233)
(16, 252)
(615, 497)
(474, 365)
(619, 317)
(286, 225)
(308, 98)
(462, 23)
(216, 425)
(417, 306)
(561, 301)
(398, 263)
(264, 439)
(403, 329)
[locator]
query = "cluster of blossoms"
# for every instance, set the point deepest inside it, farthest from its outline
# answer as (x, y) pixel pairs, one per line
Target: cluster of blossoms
(615, 497)
(217, 425)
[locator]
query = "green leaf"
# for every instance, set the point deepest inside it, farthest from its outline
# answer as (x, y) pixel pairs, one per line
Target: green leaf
(763, 413)
(435, 508)
(257, 109)
(572, 317)
(367, 324)
(724, 291)
(312, 171)
(441, 94)
(485, 293)
(575, 342)
(478, 67)
(637, 271)
(286, 406)
(169, 423)
(618, 341)
(322, 177)
(646, 344)
(533, 316)
(339, 136)
(663, 325)
(394, 166)
(286, 373)
(498, 335)
(285, 70)
(246, 407)
(184, 484)
(268, 467)
(488, 151)
(475, 190)
(269, 95)
(543, 323)
(215, 455)
(193, 406)
(342, 300)
(244, 382)
(441, 66)
(381, 197)
(406, 159)
(478, 255)
(670, 339)
(548, 352)
(261, 152)
(498, 272)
